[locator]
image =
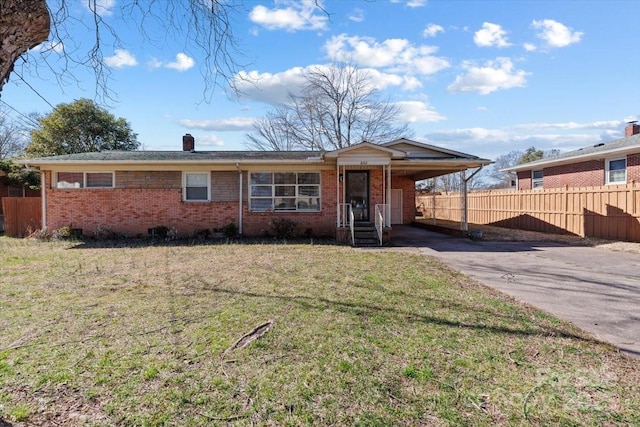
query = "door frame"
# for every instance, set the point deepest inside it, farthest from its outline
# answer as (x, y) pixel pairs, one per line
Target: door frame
(364, 211)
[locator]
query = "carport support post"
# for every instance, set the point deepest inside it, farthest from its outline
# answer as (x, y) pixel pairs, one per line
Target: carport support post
(464, 222)
(464, 225)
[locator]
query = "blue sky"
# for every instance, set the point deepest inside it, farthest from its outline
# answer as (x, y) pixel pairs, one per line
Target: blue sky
(482, 77)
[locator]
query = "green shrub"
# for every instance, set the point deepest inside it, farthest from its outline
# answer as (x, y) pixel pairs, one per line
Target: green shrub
(283, 228)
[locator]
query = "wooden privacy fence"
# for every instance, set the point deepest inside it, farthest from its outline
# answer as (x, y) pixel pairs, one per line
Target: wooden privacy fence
(22, 215)
(608, 212)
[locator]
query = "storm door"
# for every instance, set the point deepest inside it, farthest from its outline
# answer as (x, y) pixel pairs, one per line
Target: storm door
(357, 193)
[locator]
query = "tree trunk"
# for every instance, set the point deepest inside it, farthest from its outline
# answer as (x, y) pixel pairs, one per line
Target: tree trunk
(23, 24)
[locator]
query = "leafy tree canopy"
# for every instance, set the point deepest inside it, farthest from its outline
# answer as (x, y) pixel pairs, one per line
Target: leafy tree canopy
(19, 175)
(79, 127)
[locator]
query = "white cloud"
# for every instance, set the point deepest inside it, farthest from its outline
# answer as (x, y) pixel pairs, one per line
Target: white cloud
(555, 34)
(416, 3)
(182, 63)
(101, 7)
(290, 15)
(493, 76)
(273, 88)
(120, 59)
(50, 46)
(432, 30)
(208, 141)
(491, 35)
(608, 125)
(356, 15)
(397, 55)
(417, 112)
(490, 143)
(221, 125)
(412, 3)
(530, 47)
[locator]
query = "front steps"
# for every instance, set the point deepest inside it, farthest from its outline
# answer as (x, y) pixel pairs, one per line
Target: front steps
(365, 235)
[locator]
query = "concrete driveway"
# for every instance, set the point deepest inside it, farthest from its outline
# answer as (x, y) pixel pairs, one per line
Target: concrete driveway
(595, 289)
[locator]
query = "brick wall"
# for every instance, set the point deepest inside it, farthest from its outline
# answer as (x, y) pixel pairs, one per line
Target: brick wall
(584, 174)
(147, 199)
(633, 168)
(524, 180)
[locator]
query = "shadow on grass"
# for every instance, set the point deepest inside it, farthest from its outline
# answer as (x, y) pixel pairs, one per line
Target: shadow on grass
(364, 309)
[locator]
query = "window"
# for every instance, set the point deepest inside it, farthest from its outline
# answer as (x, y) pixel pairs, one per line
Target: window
(537, 178)
(84, 180)
(196, 186)
(284, 191)
(616, 172)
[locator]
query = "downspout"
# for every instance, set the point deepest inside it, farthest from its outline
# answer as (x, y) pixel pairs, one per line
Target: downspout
(43, 192)
(239, 199)
(464, 223)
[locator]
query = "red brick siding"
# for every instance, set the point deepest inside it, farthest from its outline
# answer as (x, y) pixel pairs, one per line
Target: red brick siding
(524, 180)
(582, 174)
(149, 179)
(633, 168)
(142, 200)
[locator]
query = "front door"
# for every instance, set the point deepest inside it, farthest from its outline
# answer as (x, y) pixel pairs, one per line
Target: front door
(357, 193)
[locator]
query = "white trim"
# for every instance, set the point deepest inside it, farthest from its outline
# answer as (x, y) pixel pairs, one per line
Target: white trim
(184, 186)
(607, 165)
(43, 192)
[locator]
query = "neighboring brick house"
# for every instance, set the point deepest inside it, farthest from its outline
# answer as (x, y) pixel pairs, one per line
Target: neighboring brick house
(615, 162)
(324, 193)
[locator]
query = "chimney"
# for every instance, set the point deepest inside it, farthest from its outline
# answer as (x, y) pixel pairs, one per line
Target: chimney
(633, 128)
(188, 143)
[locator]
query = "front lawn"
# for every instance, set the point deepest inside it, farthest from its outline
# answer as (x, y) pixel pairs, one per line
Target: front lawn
(96, 334)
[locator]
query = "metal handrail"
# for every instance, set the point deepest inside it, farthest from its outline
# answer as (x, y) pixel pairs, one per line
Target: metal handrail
(346, 218)
(352, 220)
(380, 220)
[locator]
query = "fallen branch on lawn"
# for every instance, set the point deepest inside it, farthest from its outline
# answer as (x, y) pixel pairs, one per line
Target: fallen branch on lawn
(247, 338)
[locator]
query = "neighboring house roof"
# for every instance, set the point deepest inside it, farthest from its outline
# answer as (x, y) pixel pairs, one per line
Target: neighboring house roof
(616, 148)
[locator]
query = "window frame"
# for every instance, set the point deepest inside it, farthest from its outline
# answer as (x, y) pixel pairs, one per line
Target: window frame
(535, 181)
(283, 187)
(607, 170)
(184, 186)
(83, 184)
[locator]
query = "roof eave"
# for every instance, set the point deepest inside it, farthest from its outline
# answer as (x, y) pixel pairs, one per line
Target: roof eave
(541, 164)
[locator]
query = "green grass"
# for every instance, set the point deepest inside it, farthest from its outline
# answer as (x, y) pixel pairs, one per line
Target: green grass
(118, 335)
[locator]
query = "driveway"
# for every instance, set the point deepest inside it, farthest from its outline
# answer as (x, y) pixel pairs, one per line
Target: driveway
(595, 289)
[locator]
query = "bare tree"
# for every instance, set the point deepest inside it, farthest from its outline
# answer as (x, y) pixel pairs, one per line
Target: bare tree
(337, 107)
(12, 138)
(205, 25)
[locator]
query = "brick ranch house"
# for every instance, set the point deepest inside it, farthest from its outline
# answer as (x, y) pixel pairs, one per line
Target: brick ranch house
(324, 193)
(615, 162)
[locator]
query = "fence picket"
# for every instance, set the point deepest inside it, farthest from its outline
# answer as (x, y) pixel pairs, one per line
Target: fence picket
(611, 211)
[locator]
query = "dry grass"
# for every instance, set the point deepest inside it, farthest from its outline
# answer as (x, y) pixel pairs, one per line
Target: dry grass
(136, 335)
